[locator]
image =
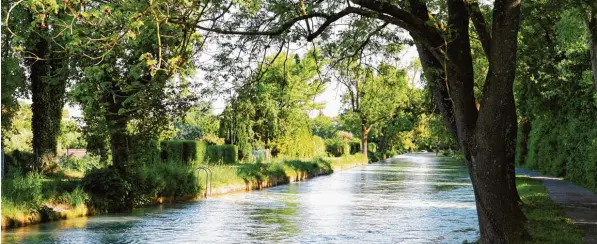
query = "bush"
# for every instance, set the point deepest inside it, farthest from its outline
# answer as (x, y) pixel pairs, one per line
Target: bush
(225, 154)
(163, 180)
(83, 164)
(109, 189)
(186, 151)
(19, 161)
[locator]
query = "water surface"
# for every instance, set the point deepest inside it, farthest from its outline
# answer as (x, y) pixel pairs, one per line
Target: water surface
(413, 198)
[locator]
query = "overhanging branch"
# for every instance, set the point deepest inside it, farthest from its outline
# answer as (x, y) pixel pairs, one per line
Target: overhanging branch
(480, 25)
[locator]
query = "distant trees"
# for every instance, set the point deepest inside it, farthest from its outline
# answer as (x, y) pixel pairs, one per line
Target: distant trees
(270, 109)
(372, 96)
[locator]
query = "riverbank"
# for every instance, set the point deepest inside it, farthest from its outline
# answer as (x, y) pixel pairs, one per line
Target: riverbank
(577, 203)
(43, 205)
(546, 221)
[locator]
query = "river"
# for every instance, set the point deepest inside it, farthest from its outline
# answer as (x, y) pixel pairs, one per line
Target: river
(412, 198)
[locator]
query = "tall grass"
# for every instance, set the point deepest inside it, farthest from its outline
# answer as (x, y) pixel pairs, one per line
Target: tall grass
(24, 195)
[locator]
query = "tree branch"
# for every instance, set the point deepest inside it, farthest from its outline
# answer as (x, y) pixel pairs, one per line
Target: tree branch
(274, 32)
(480, 25)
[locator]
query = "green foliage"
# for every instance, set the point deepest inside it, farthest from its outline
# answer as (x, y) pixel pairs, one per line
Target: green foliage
(371, 147)
(336, 147)
(355, 147)
(164, 180)
(212, 139)
(25, 195)
(18, 135)
(556, 95)
(319, 146)
(71, 136)
(109, 189)
(23, 190)
(198, 122)
(19, 161)
(83, 164)
(188, 152)
(324, 126)
(270, 108)
(222, 154)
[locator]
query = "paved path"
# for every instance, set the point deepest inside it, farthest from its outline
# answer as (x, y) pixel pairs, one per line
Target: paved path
(579, 203)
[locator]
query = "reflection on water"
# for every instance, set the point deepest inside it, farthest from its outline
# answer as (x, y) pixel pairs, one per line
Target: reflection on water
(414, 198)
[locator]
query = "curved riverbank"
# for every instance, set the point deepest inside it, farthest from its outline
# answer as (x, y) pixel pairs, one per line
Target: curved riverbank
(244, 177)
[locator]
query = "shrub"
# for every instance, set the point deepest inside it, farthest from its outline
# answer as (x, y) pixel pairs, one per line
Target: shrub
(109, 189)
(19, 160)
(225, 154)
(83, 164)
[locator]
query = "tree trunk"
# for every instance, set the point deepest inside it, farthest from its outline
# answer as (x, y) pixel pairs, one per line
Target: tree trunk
(48, 85)
(117, 126)
(593, 44)
(486, 135)
(364, 133)
(525, 130)
(492, 162)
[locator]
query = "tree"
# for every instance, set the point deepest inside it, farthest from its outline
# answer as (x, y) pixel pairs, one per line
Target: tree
(270, 110)
(373, 96)
(141, 81)
(440, 31)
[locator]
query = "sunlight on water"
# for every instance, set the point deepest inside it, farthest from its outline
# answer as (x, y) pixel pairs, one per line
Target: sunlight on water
(413, 198)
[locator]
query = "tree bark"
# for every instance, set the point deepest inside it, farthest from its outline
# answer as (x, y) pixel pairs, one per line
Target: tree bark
(364, 134)
(593, 44)
(486, 137)
(117, 126)
(48, 85)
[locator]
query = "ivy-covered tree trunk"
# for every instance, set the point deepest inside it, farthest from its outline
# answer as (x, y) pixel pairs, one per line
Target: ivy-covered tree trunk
(117, 127)
(48, 86)
(593, 43)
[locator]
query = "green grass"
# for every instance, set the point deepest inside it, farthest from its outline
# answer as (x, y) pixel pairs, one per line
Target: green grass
(279, 169)
(24, 197)
(546, 222)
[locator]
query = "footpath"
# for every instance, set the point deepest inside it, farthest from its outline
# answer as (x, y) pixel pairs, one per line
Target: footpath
(579, 204)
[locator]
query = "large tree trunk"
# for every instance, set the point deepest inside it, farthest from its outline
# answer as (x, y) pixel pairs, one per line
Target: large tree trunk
(593, 44)
(117, 126)
(48, 85)
(500, 217)
(486, 136)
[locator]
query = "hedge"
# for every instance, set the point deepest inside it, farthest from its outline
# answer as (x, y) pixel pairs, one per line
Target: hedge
(186, 151)
(225, 154)
(355, 147)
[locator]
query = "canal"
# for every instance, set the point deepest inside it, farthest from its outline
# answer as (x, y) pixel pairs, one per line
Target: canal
(412, 198)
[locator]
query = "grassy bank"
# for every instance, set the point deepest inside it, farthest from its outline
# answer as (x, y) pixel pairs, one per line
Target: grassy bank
(35, 198)
(546, 220)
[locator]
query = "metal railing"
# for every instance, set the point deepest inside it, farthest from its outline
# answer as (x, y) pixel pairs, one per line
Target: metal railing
(208, 178)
